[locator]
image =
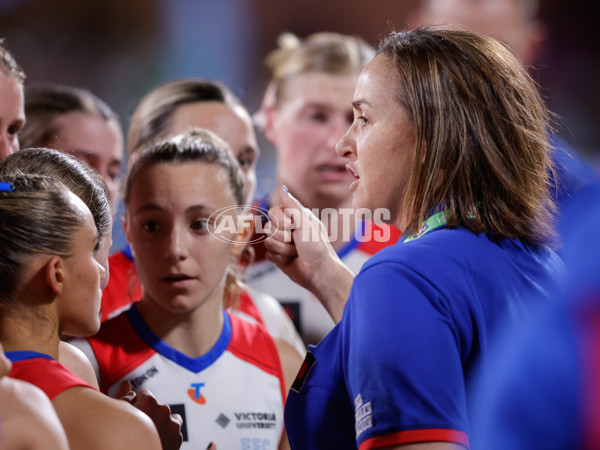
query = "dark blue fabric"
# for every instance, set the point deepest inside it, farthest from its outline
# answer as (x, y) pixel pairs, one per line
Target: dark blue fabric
(418, 322)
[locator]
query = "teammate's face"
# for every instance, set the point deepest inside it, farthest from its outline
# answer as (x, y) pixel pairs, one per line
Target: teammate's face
(93, 140)
(12, 114)
(181, 265)
(314, 112)
(232, 124)
(79, 306)
(505, 20)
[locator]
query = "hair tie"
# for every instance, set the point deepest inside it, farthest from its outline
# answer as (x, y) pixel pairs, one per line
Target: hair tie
(6, 187)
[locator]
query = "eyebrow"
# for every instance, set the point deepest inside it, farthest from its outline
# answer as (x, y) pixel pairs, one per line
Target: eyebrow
(357, 104)
(155, 207)
(316, 104)
(249, 150)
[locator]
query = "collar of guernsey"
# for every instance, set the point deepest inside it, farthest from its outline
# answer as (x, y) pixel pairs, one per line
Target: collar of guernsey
(432, 223)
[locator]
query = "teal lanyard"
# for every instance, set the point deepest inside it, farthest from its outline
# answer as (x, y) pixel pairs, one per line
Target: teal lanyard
(434, 222)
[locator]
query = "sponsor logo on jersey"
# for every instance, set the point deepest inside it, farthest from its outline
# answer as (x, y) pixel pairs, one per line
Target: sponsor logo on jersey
(263, 420)
(421, 231)
(141, 379)
(223, 420)
(363, 415)
(256, 444)
(194, 393)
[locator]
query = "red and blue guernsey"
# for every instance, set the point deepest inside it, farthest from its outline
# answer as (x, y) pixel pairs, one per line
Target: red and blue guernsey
(124, 287)
(232, 396)
(397, 368)
(44, 372)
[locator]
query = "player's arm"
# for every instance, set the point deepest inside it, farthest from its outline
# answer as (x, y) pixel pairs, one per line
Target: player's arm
(28, 418)
(95, 421)
(290, 364)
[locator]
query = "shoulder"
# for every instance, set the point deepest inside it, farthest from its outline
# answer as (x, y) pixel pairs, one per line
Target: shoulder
(28, 418)
(458, 249)
(49, 375)
(251, 342)
(118, 348)
(77, 362)
(274, 317)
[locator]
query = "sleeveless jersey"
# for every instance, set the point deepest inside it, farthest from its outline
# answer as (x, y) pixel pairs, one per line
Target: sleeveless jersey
(44, 372)
(232, 396)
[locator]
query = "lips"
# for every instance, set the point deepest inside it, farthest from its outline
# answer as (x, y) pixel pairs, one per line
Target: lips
(332, 172)
(352, 188)
(178, 280)
(352, 171)
(335, 168)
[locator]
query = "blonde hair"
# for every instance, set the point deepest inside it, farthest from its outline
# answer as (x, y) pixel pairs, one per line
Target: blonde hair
(153, 114)
(8, 65)
(325, 52)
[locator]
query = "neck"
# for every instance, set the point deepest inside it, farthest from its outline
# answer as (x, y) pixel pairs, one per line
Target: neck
(27, 330)
(192, 333)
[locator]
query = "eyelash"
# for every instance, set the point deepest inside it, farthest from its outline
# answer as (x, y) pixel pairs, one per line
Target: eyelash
(204, 223)
(363, 119)
(246, 163)
(147, 227)
(14, 130)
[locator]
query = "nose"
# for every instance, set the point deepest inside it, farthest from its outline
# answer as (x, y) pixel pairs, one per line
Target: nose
(344, 146)
(177, 248)
(338, 129)
(103, 275)
(7, 145)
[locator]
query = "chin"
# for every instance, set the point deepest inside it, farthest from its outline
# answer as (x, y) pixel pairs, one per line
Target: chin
(83, 330)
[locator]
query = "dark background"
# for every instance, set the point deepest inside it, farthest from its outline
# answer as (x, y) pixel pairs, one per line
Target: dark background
(120, 49)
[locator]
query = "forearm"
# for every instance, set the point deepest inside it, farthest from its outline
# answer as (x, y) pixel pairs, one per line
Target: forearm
(331, 285)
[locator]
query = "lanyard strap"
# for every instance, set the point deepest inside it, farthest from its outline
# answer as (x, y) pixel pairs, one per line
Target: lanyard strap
(434, 222)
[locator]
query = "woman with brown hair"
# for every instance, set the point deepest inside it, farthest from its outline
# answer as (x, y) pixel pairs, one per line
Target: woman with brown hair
(75, 121)
(306, 109)
(449, 135)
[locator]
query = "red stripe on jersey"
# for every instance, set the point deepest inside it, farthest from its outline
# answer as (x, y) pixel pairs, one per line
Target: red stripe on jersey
(588, 333)
(412, 436)
(123, 287)
(247, 306)
(50, 376)
(378, 236)
(252, 343)
(119, 350)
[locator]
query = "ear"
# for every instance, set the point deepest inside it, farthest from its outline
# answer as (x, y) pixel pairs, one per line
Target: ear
(54, 270)
(125, 225)
(127, 231)
(265, 117)
(269, 124)
(243, 235)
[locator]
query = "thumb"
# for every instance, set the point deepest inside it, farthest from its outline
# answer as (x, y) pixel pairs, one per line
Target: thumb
(291, 205)
(124, 392)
